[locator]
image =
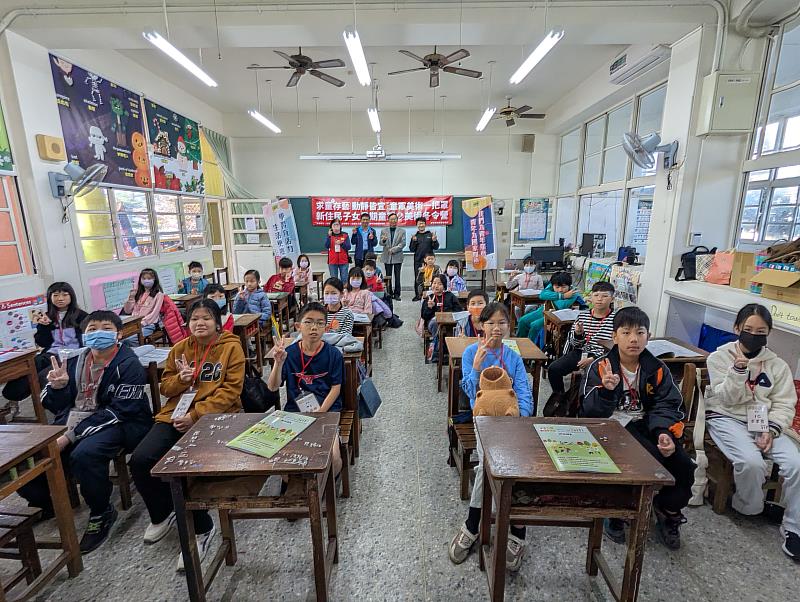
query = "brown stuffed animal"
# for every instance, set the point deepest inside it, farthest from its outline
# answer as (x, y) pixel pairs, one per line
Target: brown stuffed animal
(496, 396)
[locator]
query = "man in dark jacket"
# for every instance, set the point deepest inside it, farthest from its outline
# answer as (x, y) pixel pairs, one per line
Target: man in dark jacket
(422, 243)
(100, 395)
(365, 238)
(634, 387)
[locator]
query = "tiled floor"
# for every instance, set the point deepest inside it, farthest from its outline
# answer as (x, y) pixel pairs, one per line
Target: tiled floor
(404, 509)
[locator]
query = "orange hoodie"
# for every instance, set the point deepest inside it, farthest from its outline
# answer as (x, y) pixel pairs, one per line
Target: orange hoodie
(219, 382)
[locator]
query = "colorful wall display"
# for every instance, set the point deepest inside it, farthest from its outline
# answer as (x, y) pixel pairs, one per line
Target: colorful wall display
(480, 251)
(18, 319)
(437, 210)
(534, 216)
(6, 161)
(102, 123)
(111, 292)
(175, 153)
(282, 228)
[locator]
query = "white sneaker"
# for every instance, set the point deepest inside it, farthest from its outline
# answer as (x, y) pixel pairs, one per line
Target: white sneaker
(203, 545)
(462, 544)
(155, 533)
(514, 553)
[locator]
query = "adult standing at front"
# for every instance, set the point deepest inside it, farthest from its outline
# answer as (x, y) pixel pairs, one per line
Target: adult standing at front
(338, 244)
(393, 241)
(365, 239)
(422, 243)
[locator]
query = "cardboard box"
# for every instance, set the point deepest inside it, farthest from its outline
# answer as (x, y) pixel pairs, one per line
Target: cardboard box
(743, 270)
(779, 285)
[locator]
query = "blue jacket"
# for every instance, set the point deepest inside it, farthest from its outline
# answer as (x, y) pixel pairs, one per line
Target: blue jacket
(121, 395)
(355, 238)
(256, 302)
(186, 285)
(512, 364)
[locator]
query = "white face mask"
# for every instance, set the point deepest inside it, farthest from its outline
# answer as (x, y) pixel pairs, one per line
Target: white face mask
(452, 272)
(369, 274)
(529, 269)
(303, 264)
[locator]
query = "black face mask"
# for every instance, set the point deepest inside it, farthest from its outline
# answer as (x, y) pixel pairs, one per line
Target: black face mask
(753, 343)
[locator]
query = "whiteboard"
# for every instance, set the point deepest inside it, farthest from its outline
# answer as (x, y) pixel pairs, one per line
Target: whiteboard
(441, 235)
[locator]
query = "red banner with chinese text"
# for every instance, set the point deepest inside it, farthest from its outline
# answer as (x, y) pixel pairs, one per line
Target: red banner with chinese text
(437, 210)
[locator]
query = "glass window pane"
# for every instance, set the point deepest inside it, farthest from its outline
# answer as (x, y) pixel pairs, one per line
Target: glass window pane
(196, 239)
(565, 220)
(783, 106)
(770, 140)
(594, 135)
(781, 214)
(130, 201)
(789, 60)
(753, 197)
(94, 224)
(569, 145)
(567, 180)
(651, 111)
(169, 242)
(6, 227)
(242, 239)
(792, 171)
(164, 203)
(601, 213)
(758, 176)
(168, 223)
(591, 170)
(796, 234)
(194, 222)
(615, 165)
(750, 214)
(240, 223)
(778, 232)
(619, 122)
(99, 250)
(9, 260)
(748, 232)
(791, 135)
(637, 226)
(242, 208)
(192, 206)
(137, 247)
(784, 196)
(96, 200)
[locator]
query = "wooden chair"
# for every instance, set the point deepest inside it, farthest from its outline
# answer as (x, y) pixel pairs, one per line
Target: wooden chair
(462, 444)
(720, 469)
(17, 542)
(218, 273)
(158, 338)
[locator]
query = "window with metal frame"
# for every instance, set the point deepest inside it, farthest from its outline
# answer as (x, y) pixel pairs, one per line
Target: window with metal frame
(15, 253)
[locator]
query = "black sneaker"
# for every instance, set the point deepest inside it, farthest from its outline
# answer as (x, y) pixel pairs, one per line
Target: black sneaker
(791, 544)
(97, 530)
(554, 404)
(615, 529)
(668, 527)
(416, 299)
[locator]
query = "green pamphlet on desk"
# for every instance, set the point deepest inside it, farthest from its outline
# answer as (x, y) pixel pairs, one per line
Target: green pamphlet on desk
(573, 448)
(271, 434)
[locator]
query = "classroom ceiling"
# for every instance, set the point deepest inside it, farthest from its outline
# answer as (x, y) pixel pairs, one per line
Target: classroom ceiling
(504, 31)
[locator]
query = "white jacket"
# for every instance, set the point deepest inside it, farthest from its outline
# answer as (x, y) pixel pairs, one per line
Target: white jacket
(730, 395)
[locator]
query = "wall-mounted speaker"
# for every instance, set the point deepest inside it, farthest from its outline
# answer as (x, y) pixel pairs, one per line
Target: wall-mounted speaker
(50, 148)
(528, 142)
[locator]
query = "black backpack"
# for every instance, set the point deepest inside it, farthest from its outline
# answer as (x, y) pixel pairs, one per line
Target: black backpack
(256, 396)
(688, 268)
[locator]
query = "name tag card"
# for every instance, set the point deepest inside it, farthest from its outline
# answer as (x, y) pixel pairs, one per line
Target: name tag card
(183, 406)
(757, 420)
(308, 403)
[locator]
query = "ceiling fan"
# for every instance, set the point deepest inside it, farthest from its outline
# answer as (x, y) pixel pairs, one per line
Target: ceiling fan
(303, 64)
(436, 62)
(511, 114)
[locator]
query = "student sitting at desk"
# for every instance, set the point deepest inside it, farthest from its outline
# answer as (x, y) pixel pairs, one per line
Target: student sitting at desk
(204, 375)
(251, 299)
(216, 293)
(747, 378)
(561, 293)
(145, 301)
(357, 297)
(425, 274)
(371, 276)
(455, 283)
(195, 284)
(340, 318)
(528, 279)
(302, 274)
(281, 282)
(437, 299)
(634, 387)
(490, 351)
(101, 396)
(583, 345)
(470, 326)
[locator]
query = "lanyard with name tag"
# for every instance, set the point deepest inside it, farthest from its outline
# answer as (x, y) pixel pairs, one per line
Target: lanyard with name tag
(183, 406)
(308, 403)
(757, 418)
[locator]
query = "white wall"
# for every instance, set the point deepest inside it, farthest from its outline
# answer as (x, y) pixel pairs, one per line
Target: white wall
(30, 105)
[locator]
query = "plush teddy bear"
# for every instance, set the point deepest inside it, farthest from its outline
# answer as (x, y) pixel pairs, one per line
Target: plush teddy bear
(496, 396)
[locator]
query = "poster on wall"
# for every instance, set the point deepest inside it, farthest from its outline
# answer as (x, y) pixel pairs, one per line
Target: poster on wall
(480, 252)
(282, 229)
(6, 162)
(102, 123)
(437, 210)
(534, 216)
(626, 286)
(18, 320)
(174, 150)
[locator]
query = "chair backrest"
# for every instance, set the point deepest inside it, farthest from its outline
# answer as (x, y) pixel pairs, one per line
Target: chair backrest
(219, 272)
(689, 388)
(155, 394)
(212, 277)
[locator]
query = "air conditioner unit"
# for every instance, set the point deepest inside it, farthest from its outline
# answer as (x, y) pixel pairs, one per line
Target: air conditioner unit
(636, 61)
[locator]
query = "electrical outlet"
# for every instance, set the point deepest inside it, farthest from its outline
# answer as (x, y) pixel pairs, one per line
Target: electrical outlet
(694, 238)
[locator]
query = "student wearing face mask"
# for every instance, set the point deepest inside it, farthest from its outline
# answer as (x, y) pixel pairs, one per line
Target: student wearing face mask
(302, 274)
(338, 244)
(528, 279)
(100, 395)
(471, 326)
(357, 297)
(216, 293)
(750, 405)
(455, 283)
(145, 300)
(195, 284)
(371, 276)
(340, 318)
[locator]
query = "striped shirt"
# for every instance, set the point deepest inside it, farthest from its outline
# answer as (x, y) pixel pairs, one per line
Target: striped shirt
(341, 321)
(594, 330)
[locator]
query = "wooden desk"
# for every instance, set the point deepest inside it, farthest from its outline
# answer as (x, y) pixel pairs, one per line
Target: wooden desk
(519, 300)
(28, 451)
(230, 293)
(675, 364)
(319, 278)
(533, 357)
(363, 330)
(244, 327)
(186, 300)
(446, 325)
(22, 364)
(559, 328)
(132, 326)
(527, 489)
(280, 307)
(462, 298)
(195, 477)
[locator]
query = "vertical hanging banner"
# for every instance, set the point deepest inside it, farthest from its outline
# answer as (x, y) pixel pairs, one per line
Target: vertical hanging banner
(102, 123)
(282, 228)
(479, 237)
(174, 145)
(6, 162)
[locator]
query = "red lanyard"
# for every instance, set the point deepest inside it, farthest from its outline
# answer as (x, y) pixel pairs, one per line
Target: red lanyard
(438, 302)
(752, 384)
(305, 364)
(499, 357)
(631, 390)
(90, 384)
(591, 333)
(199, 367)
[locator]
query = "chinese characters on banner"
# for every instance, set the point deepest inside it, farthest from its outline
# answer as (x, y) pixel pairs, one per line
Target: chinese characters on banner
(479, 238)
(437, 210)
(282, 229)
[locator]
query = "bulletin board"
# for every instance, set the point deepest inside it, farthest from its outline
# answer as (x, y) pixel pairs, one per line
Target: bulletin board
(111, 292)
(170, 276)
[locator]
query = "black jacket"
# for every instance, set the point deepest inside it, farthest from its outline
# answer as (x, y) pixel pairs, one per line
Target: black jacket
(43, 336)
(661, 399)
(450, 304)
(121, 395)
(422, 245)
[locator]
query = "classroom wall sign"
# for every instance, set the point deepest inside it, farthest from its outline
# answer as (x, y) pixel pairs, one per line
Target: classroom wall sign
(282, 228)
(6, 161)
(174, 144)
(18, 319)
(534, 215)
(102, 123)
(437, 210)
(480, 251)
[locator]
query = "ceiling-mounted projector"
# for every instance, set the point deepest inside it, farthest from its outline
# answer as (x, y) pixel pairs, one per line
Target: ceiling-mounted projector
(376, 152)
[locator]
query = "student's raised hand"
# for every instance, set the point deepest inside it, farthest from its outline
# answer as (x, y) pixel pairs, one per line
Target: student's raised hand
(132, 295)
(433, 236)
(280, 352)
(740, 362)
(666, 445)
(480, 354)
(371, 235)
(185, 370)
(414, 238)
(609, 379)
(431, 302)
(43, 320)
(57, 376)
(764, 442)
(184, 423)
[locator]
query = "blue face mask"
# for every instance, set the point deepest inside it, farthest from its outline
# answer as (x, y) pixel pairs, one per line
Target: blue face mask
(100, 339)
(221, 303)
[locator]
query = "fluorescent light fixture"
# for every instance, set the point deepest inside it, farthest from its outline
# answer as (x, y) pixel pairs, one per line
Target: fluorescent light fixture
(374, 121)
(176, 55)
(399, 157)
(537, 55)
(484, 120)
(264, 121)
(356, 51)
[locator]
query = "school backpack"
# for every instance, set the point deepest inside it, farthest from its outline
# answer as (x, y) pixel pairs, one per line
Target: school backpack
(688, 267)
(173, 321)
